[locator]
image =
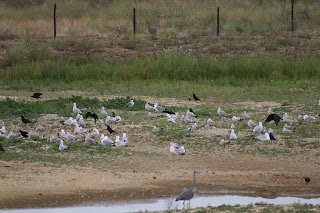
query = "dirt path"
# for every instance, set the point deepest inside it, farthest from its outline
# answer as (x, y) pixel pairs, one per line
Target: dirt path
(39, 185)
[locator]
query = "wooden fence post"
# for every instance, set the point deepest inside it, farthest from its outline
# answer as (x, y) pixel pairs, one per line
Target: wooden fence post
(54, 21)
(134, 20)
(292, 24)
(218, 21)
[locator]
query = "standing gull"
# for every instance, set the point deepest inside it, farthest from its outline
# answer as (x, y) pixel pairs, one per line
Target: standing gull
(175, 149)
(246, 116)
(12, 136)
(233, 135)
(269, 111)
(103, 112)
(223, 142)
(63, 147)
(125, 139)
(105, 140)
(129, 105)
(90, 141)
(264, 137)
(40, 128)
(156, 129)
(158, 108)
(190, 114)
(149, 108)
(287, 117)
(235, 118)
(150, 115)
(258, 128)
(3, 129)
(222, 113)
(75, 109)
(252, 124)
(118, 142)
(211, 124)
(54, 139)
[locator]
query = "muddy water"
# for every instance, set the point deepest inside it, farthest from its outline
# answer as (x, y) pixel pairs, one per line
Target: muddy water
(169, 203)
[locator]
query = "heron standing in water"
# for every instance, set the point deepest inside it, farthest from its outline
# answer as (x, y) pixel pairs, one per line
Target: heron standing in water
(189, 193)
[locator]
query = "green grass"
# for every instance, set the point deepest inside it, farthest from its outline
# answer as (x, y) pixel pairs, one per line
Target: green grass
(79, 153)
(62, 106)
(172, 66)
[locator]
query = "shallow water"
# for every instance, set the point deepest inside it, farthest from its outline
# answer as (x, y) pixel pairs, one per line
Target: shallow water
(169, 203)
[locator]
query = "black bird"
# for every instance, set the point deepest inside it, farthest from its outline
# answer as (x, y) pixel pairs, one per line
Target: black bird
(273, 117)
(1, 148)
(195, 97)
(272, 137)
(24, 120)
(307, 179)
(87, 115)
(110, 130)
(113, 115)
(95, 116)
(36, 95)
(192, 111)
(24, 134)
(168, 111)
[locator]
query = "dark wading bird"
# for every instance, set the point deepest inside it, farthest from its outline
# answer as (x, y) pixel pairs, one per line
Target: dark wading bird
(189, 193)
(195, 97)
(273, 117)
(24, 120)
(36, 95)
(110, 130)
(24, 134)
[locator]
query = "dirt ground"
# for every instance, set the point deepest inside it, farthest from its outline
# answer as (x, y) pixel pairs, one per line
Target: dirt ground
(30, 185)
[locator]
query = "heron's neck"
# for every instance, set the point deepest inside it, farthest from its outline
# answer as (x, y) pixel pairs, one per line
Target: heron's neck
(194, 180)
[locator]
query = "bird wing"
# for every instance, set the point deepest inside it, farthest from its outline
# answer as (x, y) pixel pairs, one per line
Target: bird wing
(186, 195)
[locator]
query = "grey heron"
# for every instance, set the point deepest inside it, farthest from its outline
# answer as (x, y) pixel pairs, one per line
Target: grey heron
(189, 193)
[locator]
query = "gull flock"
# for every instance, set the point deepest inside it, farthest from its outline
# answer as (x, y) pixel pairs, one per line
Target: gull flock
(94, 136)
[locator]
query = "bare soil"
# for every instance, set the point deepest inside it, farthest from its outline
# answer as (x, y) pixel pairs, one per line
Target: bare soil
(29, 185)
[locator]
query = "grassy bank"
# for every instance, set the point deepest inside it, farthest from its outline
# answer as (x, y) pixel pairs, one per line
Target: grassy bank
(258, 207)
